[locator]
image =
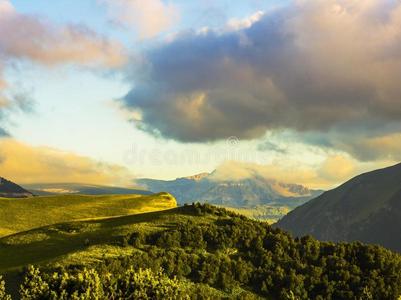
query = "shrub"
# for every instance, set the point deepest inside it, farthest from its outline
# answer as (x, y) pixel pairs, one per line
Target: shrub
(85, 284)
(145, 284)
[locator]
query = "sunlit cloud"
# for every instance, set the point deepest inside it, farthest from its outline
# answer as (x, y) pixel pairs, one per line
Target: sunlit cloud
(333, 170)
(26, 164)
(37, 39)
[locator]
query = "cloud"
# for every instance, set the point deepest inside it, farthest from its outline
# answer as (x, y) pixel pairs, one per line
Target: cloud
(37, 40)
(3, 133)
(337, 168)
(384, 147)
(238, 24)
(332, 171)
(148, 18)
(313, 66)
(27, 164)
(286, 173)
(271, 146)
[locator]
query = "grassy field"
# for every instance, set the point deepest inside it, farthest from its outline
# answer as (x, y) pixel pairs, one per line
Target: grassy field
(18, 215)
(80, 240)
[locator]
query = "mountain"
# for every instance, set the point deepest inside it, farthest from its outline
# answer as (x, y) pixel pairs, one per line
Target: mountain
(248, 192)
(9, 189)
(367, 208)
(45, 189)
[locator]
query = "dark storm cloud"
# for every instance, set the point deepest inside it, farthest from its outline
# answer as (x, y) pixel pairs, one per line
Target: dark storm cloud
(313, 66)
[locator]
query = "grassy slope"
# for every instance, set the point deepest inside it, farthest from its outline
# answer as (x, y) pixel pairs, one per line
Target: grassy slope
(82, 241)
(24, 214)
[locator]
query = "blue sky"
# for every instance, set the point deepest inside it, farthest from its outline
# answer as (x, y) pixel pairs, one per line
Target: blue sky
(219, 79)
(74, 108)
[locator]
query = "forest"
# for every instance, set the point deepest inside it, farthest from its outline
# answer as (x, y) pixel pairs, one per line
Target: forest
(216, 251)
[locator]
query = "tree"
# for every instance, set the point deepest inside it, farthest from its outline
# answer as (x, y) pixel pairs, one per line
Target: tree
(33, 286)
(3, 293)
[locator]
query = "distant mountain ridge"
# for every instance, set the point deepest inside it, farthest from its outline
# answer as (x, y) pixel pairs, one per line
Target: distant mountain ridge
(45, 189)
(9, 189)
(248, 192)
(367, 208)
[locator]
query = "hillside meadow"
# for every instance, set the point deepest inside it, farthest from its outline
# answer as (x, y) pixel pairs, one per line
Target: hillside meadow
(23, 214)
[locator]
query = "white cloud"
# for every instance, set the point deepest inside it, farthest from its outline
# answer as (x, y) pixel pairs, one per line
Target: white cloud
(6, 7)
(237, 24)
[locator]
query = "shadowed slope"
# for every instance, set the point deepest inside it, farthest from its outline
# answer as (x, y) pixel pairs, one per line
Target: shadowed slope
(366, 208)
(12, 190)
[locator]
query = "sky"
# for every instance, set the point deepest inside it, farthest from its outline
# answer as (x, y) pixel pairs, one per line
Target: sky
(106, 91)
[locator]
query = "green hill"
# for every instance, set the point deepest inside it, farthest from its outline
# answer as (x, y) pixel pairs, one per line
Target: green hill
(214, 254)
(24, 214)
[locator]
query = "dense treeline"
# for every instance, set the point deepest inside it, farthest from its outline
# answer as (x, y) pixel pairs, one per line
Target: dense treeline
(89, 284)
(226, 251)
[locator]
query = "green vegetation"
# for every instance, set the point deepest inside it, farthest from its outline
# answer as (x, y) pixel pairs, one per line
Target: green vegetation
(3, 293)
(267, 213)
(205, 253)
(24, 214)
(87, 284)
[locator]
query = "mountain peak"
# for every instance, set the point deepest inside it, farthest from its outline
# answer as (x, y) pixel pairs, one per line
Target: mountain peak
(247, 192)
(196, 177)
